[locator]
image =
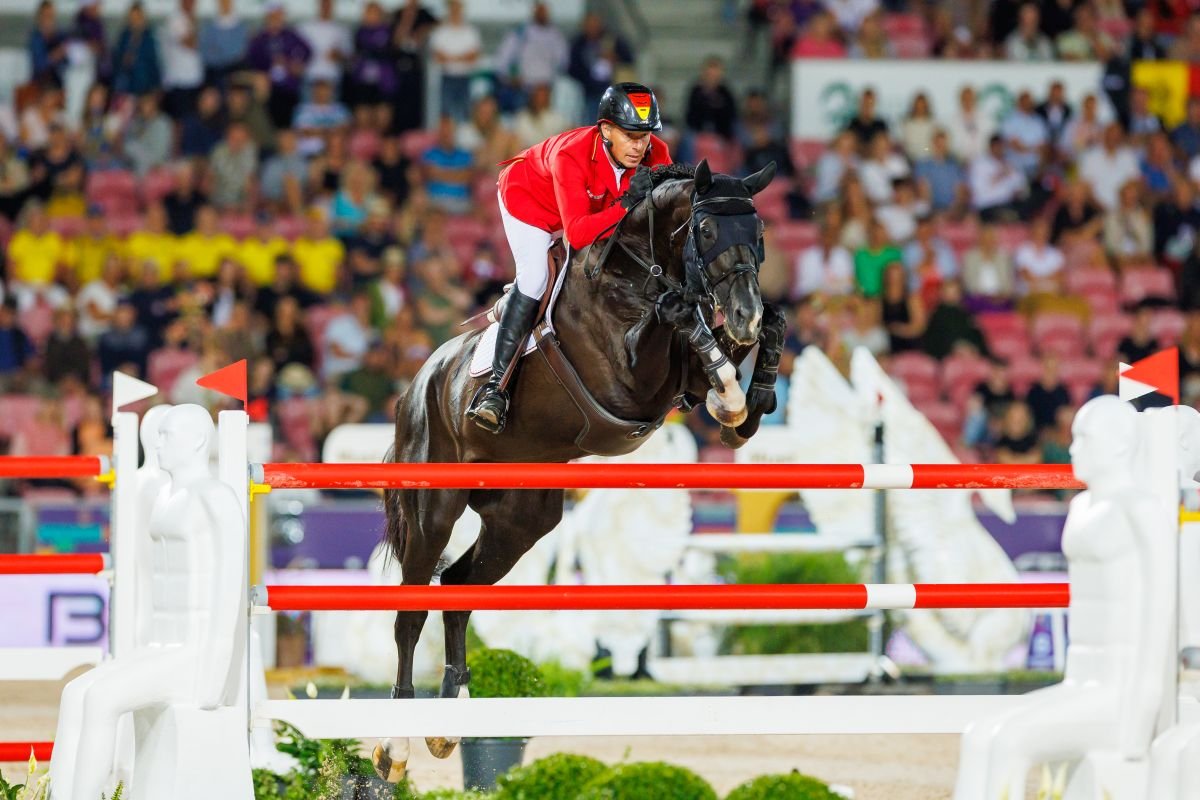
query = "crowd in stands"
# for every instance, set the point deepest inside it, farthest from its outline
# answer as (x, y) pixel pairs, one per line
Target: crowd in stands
(272, 190)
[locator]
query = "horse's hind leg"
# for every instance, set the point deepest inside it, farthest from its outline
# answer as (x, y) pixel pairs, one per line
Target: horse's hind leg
(428, 517)
(512, 522)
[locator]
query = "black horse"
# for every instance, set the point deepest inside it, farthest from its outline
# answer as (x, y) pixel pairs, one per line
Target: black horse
(634, 319)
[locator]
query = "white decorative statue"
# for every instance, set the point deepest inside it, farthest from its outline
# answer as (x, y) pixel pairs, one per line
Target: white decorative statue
(181, 682)
(1119, 548)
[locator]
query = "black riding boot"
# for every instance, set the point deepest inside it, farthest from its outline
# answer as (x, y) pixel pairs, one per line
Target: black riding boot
(490, 406)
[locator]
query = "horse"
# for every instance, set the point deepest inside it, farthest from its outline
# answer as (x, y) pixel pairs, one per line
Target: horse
(634, 317)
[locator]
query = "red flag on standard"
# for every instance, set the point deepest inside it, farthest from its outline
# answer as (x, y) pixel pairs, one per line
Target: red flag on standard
(230, 381)
(1156, 373)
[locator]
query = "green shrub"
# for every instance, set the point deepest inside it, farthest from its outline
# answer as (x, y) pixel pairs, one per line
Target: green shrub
(555, 777)
(454, 794)
(648, 780)
(503, 673)
(790, 786)
(560, 681)
(793, 568)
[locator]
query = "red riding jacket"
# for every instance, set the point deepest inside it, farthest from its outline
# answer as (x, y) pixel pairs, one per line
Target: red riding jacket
(567, 183)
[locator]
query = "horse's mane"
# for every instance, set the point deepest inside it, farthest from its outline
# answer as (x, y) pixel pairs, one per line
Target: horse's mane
(665, 173)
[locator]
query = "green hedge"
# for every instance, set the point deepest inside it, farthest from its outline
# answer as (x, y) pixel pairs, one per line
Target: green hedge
(503, 673)
(555, 777)
(648, 780)
(791, 786)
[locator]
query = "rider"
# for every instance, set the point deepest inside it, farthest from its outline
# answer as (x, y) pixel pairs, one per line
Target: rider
(575, 184)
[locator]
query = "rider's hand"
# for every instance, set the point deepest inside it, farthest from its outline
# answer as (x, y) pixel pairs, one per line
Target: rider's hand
(639, 187)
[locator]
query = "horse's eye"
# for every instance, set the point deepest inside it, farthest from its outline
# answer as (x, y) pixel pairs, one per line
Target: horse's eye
(707, 231)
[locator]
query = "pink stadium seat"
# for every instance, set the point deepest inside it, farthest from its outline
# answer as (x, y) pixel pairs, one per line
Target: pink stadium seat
(719, 153)
(1060, 334)
(72, 408)
(125, 223)
(1106, 331)
(317, 319)
(795, 236)
(157, 184)
(238, 226)
(1010, 347)
(1011, 237)
(1140, 284)
(364, 145)
(1082, 281)
(904, 25)
(806, 152)
(1005, 333)
(166, 364)
(911, 45)
(919, 374)
(961, 236)
(947, 418)
(1100, 300)
(961, 374)
(1080, 375)
(68, 227)
(465, 227)
(772, 208)
(19, 411)
(1023, 372)
(289, 227)
(113, 189)
(37, 321)
(415, 143)
(1167, 326)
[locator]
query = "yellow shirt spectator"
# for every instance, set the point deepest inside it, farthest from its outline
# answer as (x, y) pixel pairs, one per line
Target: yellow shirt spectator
(204, 253)
(160, 248)
(320, 261)
(33, 257)
(87, 255)
(258, 257)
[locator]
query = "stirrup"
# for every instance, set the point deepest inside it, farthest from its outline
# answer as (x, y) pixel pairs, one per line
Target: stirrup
(486, 398)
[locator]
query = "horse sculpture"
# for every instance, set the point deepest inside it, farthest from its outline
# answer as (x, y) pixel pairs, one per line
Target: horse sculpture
(633, 318)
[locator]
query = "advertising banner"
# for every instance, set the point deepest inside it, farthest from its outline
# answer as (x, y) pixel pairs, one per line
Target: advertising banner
(825, 91)
(54, 611)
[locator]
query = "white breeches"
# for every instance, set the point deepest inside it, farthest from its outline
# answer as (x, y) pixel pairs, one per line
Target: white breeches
(529, 246)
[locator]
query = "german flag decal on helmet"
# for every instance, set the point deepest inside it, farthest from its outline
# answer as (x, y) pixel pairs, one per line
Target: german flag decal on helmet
(641, 103)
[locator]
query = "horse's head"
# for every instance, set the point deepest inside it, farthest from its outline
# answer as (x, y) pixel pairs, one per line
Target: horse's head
(725, 247)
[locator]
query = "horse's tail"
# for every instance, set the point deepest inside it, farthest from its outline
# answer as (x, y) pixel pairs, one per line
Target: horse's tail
(396, 530)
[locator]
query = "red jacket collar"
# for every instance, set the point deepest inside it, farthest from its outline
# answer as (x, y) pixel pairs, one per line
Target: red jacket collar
(604, 165)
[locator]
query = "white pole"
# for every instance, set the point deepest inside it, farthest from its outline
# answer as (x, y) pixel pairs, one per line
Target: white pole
(123, 526)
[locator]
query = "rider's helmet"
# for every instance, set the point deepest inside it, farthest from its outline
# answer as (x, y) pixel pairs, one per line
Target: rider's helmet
(630, 106)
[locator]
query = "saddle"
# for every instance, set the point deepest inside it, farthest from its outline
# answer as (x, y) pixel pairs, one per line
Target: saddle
(601, 433)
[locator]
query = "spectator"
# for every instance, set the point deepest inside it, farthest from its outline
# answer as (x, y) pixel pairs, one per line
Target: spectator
(318, 255)
(317, 117)
(531, 54)
(372, 381)
(40, 117)
(347, 338)
(372, 76)
(1186, 135)
(834, 163)
(201, 130)
(1084, 131)
(904, 314)
(47, 47)
(91, 436)
(182, 68)
(329, 43)
(135, 57)
(824, 268)
(207, 246)
(411, 26)
(35, 254)
(929, 261)
(1057, 17)
(149, 136)
(819, 39)
(995, 392)
(1027, 42)
(44, 435)
(1158, 169)
(257, 254)
(348, 210)
(153, 241)
(282, 182)
(1140, 343)
(67, 354)
(284, 283)
(1078, 221)
(100, 131)
(184, 199)
(988, 276)
(857, 215)
(1086, 41)
(15, 347)
(447, 171)
(1056, 440)
(126, 342)
(866, 330)
(244, 106)
(1143, 123)
(970, 130)
(901, 214)
(97, 300)
(865, 125)
(1047, 396)
(1176, 225)
(1187, 46)
(58, 173)
(1039, 266)
(234, 165)
(850, 13)
(365, 249)
(1128, 229)
(996, 188)
(456, 45)
(881, 168)
(941, 179)
(871, 41)
(1109, 166)
(155, 304)
(918, 128)
(538, 121)
(288, 341)
(1026, 137)
(87, 253)
(486, 137)
(442, 303)
(395, 171)
(870, 261)
(222, 42)
(1143, 42)
(1056, 114)
(951, 326)
(89, 31)
(279, 53)
(711, 106)
(1018, 441)
(390, 292)
(14, 180)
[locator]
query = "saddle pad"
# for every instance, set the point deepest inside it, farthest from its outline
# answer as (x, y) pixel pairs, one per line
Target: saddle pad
(485, 346)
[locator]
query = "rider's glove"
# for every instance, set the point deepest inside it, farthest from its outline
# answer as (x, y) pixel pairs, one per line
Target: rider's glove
(640, 186)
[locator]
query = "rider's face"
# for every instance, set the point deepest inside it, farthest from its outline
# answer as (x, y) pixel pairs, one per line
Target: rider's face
(628, 148)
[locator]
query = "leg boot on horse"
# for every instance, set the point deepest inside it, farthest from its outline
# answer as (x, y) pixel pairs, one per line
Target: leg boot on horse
(490, 406)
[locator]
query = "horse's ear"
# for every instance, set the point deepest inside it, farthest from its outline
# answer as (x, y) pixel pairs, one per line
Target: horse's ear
(759, 180)
(703, 177)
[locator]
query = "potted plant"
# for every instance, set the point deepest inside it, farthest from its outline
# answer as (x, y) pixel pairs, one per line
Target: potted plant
(497, 673)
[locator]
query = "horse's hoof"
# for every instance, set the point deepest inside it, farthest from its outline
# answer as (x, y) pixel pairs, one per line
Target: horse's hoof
(390, 759)
(731, 439)
(441, 746)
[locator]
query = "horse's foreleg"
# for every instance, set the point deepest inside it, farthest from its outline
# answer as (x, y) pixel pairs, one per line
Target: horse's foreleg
(456, 676)
(725, 401)
(761, 400)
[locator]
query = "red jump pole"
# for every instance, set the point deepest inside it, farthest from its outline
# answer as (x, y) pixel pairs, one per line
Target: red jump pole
(666, 476)
(52, 466)
(19, 751)
(675, 597)
(53, 564)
